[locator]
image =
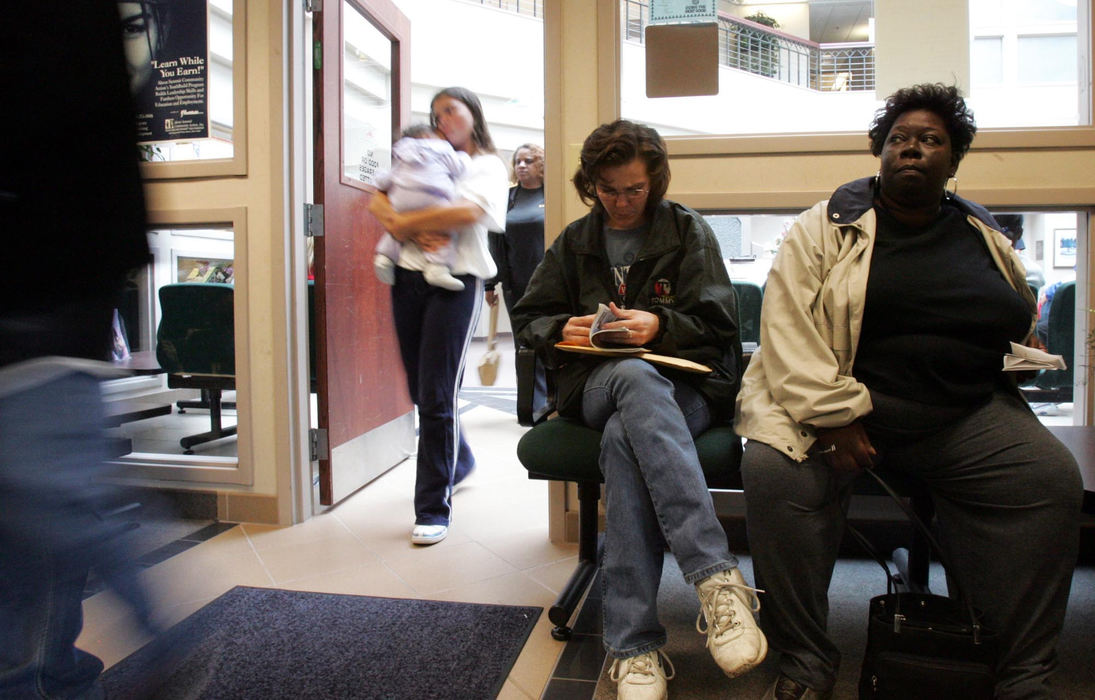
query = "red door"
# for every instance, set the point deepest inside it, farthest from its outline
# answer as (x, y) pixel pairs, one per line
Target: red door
(361, 98)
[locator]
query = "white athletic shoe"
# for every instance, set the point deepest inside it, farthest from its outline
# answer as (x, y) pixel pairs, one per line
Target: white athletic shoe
(429, 534)
(727, 605)
(642, 677)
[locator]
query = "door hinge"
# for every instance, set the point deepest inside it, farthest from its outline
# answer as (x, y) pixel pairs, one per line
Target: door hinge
(317, 441)
(313, 220)
(313, 5)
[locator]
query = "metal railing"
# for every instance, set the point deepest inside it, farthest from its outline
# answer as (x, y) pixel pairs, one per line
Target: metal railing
(533, 8)
(846, 67)
(755, 48)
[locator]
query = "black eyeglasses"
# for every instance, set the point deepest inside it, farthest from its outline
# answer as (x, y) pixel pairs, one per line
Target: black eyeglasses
(630, 194)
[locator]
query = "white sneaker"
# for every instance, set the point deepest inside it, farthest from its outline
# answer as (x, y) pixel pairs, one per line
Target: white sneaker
(439, 276)
(727, 605)
(429, 534)
(642, 677)
(384, 268)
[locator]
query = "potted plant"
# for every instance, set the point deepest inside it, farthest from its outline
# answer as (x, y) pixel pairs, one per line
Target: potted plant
(759, 51)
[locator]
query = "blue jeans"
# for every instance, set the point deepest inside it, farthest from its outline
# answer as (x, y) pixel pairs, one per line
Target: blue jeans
(51, 451)
(655, 495)
(434, 327)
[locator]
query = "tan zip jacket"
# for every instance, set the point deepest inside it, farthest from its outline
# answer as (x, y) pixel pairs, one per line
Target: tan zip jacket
(800, 377)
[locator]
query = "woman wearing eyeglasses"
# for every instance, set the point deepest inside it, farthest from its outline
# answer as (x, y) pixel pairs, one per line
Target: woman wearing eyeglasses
(659, 266)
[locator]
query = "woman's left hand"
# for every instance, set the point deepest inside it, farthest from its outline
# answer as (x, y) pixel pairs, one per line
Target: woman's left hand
(644, 326)
(846, 449)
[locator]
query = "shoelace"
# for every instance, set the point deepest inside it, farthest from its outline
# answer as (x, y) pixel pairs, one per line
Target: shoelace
(641, 665)
(717, 612)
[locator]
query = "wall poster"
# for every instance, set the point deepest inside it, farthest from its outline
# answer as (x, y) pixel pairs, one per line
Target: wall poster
(167, 49)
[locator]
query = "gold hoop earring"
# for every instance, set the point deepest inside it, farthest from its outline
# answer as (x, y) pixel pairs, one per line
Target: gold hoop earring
(955, 190)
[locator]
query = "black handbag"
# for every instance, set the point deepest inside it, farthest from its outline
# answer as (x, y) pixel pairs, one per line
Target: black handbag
(922, 645)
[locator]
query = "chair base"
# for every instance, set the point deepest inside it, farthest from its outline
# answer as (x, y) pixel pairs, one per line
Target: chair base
(216, 434)
(590, 551)
(572, 594)
(210, 399)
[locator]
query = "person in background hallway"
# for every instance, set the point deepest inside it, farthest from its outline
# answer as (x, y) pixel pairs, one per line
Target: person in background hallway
(72, 215)
(519, 249)
(658, 263)
(886, 317)
(434, 326)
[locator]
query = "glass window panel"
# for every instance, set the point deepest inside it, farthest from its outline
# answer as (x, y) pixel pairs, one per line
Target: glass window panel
(1046, 11)
(986, 12)
(809, 66)
(366, 98)
(987, 61)
(145, 402)
(1047, 59)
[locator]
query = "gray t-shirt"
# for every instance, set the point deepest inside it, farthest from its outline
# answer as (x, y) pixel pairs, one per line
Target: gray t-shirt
(622, 247)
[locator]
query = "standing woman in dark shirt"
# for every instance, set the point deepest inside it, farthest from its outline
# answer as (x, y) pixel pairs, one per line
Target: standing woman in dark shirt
(886, 316)
(520, 248)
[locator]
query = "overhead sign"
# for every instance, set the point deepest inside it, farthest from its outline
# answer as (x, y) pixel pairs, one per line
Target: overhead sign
(683, 11)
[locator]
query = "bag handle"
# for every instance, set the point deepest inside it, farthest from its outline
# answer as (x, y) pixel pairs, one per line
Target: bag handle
(492, 327)
(924, 530)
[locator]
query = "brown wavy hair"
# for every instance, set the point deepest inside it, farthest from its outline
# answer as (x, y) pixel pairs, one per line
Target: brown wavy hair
(619, 143)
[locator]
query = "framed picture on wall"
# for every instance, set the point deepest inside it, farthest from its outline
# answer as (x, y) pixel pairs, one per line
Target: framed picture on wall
(1064, 248)
(203, 269)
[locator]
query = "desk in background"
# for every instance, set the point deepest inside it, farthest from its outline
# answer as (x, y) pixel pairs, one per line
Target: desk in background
(121, 411)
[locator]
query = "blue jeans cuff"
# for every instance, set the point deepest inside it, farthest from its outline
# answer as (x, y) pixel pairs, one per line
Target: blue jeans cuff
(697, 576)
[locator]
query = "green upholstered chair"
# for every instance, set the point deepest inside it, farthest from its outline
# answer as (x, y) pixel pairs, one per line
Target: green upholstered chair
(749, 296)
(195, 343)
(1055, 386)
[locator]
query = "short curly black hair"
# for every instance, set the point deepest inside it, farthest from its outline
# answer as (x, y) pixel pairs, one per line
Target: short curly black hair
(619, 143)
(944, 100)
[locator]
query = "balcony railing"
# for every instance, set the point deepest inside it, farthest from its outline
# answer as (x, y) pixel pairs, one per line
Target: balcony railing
(533, 8)
(755, 48)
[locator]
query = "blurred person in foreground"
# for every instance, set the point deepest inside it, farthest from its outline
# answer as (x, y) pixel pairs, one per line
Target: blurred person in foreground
(886, 317)
(72, 216)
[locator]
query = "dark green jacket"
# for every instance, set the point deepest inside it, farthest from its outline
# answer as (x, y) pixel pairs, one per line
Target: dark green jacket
(679, 275)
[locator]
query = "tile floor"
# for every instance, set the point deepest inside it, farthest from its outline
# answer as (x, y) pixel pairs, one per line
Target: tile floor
(497, 550)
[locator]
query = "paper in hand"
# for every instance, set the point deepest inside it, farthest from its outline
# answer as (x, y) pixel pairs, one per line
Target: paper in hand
(1023, 358)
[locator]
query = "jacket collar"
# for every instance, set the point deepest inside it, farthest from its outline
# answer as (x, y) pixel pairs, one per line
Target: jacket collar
(853, 199)
(589, 238)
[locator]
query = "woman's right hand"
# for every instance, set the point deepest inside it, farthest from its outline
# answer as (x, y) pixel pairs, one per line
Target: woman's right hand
(388, 217)
(846, 449)
(576, 330)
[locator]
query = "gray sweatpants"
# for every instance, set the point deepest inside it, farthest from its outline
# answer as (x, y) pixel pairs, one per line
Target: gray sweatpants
(1007, 496)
